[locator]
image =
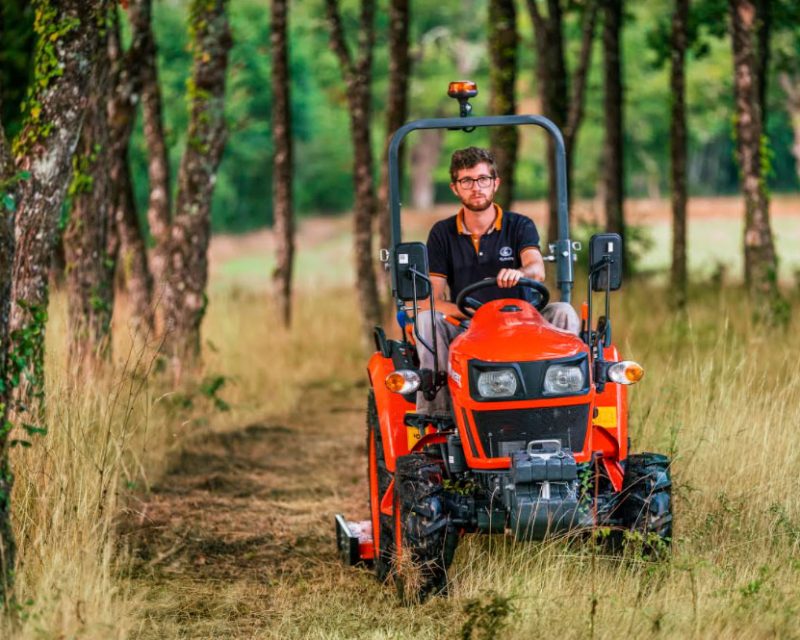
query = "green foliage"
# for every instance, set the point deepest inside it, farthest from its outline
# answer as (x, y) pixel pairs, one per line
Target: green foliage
(486, 617)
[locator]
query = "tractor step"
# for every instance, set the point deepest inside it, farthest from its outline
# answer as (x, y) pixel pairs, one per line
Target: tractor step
(354, 541)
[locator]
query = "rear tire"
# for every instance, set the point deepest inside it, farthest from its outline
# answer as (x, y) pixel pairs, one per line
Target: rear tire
(646, 507)
(424, 538)
(379, 478)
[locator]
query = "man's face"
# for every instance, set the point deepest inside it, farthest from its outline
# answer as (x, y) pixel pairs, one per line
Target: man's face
(474, 197)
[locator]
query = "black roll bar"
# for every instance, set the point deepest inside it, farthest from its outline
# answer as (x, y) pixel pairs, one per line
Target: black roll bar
(563, 253)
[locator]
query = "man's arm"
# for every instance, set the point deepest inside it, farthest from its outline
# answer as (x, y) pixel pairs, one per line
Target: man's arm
(532, 267)
(439, 295)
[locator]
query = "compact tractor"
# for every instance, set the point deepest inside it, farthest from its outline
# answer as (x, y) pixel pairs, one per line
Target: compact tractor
(537, 441)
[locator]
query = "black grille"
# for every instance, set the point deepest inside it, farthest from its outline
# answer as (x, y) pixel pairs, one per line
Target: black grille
(502, 432)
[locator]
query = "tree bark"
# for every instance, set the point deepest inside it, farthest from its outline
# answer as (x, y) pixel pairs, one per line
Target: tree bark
(159, 206)
(126, 88)
(613, 165)
(791, 88)
(63, 62)
(9, 194)
(396, 107)
(760, 263)
(282, 160)
(560, 103)
(357, 76)
(502, 81)
(678, 273)
(89, 269)
(187, 267)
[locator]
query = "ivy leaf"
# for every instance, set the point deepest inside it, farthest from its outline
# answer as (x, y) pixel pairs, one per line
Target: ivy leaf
(33, 430)
(9, 203)
(25, 444)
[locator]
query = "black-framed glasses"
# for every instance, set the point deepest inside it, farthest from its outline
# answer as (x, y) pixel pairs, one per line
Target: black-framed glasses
(482, 181)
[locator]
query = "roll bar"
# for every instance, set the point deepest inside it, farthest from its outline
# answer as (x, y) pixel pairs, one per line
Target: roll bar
(564, 250)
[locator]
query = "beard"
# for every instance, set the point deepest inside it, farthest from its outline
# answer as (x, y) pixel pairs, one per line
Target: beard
(477, 204)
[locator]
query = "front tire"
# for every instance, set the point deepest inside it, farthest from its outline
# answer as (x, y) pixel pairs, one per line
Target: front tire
(646, 507)
(425, 540)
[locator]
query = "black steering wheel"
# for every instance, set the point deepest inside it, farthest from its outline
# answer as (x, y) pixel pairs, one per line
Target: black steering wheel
(468, 305)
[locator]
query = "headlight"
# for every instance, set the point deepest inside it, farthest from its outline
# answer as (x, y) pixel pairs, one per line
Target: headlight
(498, 383)
(625, 372)
(564, 378)
(403, 381)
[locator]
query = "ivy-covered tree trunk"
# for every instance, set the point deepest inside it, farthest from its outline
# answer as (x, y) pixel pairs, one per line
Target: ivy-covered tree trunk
(55, 108)
(89, 268)
(187, 266)
(282, 160)
(678, 273)
(502, 101)
(561, 103)
(396, 106)
(613, 165)
(8, 206)
(126, 87)
(760, 262)
(357, 75)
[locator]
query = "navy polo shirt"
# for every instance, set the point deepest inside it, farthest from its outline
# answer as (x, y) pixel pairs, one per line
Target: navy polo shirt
(455, 255)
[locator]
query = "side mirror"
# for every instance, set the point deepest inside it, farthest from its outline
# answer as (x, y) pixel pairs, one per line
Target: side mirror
(410, 267)
(605, 261)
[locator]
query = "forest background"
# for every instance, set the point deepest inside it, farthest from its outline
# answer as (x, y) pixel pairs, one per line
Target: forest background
(448, 42)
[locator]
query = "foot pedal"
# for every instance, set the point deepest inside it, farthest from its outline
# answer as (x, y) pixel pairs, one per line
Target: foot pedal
(354, 541)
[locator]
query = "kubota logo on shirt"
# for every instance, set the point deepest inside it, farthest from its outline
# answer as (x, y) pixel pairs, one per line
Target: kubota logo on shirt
(505, 253)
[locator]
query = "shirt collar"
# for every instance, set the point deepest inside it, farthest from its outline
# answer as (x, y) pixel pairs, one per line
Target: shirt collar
(497, 226)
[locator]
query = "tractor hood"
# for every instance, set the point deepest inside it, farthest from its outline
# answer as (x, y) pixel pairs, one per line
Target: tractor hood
(512, 330)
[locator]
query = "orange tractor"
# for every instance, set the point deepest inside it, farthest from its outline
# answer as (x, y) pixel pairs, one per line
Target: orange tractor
(537, 441)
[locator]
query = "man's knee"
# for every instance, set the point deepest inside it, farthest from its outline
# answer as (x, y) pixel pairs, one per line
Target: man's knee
(562, 316)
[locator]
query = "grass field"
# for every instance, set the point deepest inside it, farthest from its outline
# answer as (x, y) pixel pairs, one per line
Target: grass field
(151, 512)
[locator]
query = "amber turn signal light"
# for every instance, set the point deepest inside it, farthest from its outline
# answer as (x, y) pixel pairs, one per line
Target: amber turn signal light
(403, 381)
(625, 372)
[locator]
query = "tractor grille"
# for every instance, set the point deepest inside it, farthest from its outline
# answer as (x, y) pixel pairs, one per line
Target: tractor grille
(502, 432)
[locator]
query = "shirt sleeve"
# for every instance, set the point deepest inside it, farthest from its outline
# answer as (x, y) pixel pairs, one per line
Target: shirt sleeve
(528, 235)
(438, 264)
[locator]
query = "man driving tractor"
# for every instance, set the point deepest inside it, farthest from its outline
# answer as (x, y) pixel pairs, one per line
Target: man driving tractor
(480, 241)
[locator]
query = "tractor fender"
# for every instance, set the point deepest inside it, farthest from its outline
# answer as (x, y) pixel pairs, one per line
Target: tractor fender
(392, 408)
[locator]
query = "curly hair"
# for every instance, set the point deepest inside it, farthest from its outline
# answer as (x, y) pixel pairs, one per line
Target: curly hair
(468, 158)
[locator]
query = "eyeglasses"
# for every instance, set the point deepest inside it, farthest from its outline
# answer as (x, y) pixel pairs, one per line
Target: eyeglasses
(483, 182)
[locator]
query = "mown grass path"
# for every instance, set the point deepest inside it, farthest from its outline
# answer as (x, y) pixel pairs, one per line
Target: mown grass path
(244, 517)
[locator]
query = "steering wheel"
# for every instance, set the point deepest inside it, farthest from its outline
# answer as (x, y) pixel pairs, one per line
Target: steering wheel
(468, 305)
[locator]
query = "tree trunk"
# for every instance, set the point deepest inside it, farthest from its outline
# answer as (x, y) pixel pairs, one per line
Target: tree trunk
(67, 42)
(357, 75)
(9, 194)
(502, 80)
(553, 78)
(282, 161)
(132, 256)
(791, 88)
(159, 206)
(89, 269)
(396, 107)
(760, 263)
(678, 274)
(425, 156)
(613, 169)
(187, 267)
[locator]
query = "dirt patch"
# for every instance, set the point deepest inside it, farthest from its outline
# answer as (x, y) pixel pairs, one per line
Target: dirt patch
(253, 505)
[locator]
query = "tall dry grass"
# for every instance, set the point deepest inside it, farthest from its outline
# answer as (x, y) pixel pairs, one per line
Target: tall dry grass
(111, 434)
(721, 395)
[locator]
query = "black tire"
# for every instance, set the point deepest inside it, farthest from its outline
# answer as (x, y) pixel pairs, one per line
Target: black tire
(376, 464)
(425, 537)
(646, 507)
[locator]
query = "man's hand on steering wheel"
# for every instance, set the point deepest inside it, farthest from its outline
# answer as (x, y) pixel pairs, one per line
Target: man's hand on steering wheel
(508, 278)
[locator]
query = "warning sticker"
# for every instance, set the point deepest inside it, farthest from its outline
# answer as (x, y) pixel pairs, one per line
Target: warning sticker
(402, 258)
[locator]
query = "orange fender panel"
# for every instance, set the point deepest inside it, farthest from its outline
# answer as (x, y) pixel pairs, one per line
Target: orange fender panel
(392, 408)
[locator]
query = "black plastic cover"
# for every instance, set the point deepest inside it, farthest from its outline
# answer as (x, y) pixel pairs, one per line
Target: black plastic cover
(408, 258)
(605, 261)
